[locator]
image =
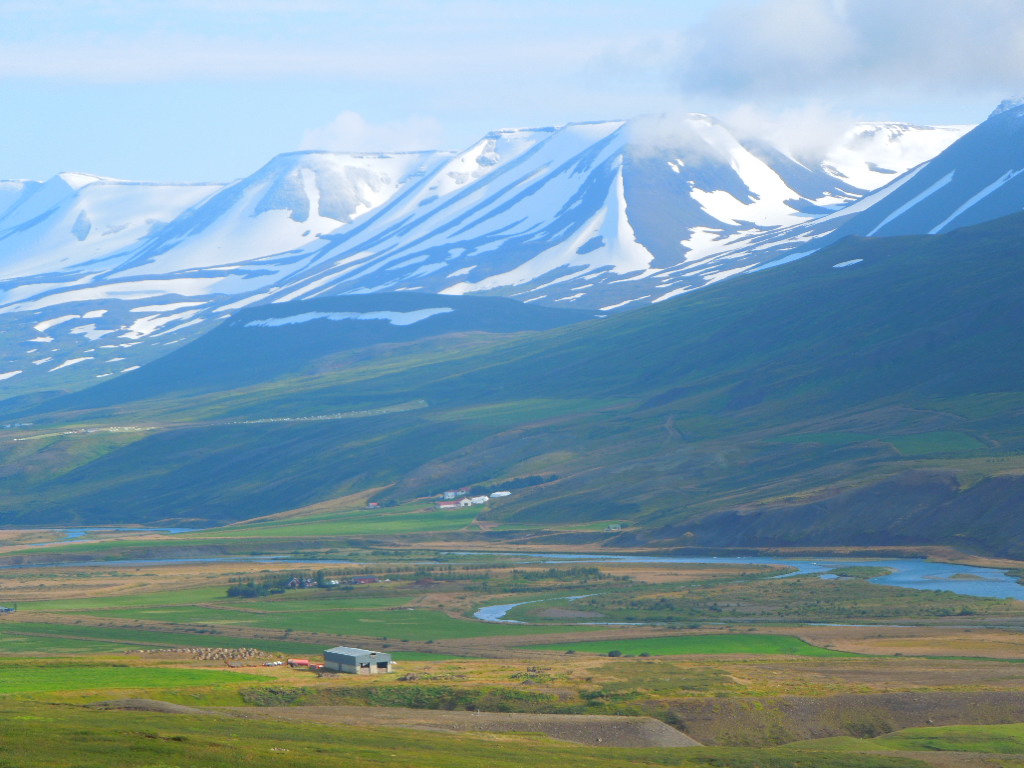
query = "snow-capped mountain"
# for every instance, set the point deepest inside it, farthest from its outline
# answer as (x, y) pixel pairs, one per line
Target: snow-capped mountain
(99, 276)
(53, 231)
(552, 214)
(976, 179)
(870, 155)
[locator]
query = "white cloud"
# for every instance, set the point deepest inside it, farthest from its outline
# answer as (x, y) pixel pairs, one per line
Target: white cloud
(767, 51)
(807, 132)
(351, 132)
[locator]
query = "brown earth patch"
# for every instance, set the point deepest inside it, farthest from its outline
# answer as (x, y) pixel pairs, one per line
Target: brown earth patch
(592, 730)
(151, 705)
(919, 641)
(563, 613)
(767, 721)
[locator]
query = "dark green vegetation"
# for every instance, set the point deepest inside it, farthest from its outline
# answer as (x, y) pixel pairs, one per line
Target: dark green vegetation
(796, 598)
(689, 645)
(860, 571)
(880, 403)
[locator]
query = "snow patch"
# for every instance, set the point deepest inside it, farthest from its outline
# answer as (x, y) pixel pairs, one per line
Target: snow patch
(147, 325)
(166, 307)
(73, 361)
(395, 318)
(845, 264)
(91, 332)
(47, 324)
(911, 203)
(8, 375)
(977, 198)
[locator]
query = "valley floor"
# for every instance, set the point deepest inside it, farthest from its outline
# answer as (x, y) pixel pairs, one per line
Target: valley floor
(155, 659)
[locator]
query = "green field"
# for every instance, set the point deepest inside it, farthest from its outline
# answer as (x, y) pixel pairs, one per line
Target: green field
(33, 644)
(40, 678)
(364, 523)
(415, 624)
(689, 645)
(43, 634)
(43, 638)
(168, 597)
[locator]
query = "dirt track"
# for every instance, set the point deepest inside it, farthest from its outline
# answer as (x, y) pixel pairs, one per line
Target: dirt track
(591, 730)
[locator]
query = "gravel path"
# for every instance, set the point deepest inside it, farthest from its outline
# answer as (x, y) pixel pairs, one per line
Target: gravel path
(592, 730)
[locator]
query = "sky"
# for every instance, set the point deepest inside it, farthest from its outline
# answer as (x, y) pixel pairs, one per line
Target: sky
(210, 90)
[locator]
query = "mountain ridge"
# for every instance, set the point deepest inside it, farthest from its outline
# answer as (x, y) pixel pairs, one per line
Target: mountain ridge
(594, 215)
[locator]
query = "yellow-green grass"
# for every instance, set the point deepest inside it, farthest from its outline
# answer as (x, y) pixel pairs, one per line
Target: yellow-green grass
(13, 643)
(690, 645)
(16, 678)
(367, 522)
(298, 601)
(57, 736)
(166, 597)
(414, 624)
(996, 739)
(290, 601)
(55, 639)
(315, 517)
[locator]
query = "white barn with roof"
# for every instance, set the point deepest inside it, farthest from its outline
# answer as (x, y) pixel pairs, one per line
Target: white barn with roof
(357, 661)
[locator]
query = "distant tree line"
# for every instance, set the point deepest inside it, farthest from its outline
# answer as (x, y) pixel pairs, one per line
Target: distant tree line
(577, 574)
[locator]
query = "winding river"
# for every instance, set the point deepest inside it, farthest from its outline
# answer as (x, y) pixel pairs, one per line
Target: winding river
(910, 574)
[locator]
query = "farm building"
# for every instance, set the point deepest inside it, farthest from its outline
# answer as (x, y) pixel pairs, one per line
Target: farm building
(357, 661)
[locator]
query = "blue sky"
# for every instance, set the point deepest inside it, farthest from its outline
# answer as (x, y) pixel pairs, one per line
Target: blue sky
(191, 90)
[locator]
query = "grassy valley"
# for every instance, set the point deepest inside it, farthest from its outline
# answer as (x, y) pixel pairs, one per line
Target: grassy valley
(156, 661)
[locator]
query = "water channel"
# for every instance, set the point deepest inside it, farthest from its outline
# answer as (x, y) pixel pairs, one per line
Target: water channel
(907, 573)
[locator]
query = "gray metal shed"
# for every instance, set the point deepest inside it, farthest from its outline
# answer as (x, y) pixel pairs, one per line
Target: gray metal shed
(357, 661)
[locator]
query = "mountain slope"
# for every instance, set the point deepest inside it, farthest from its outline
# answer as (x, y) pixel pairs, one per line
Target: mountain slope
(131, 269)
(59, 230)
(102, 277)
(974, 180)
(774, 408)
(549, 215)
(260, 344)
(870, 155)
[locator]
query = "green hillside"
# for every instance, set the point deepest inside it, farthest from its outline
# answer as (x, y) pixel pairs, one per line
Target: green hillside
(881, 402)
